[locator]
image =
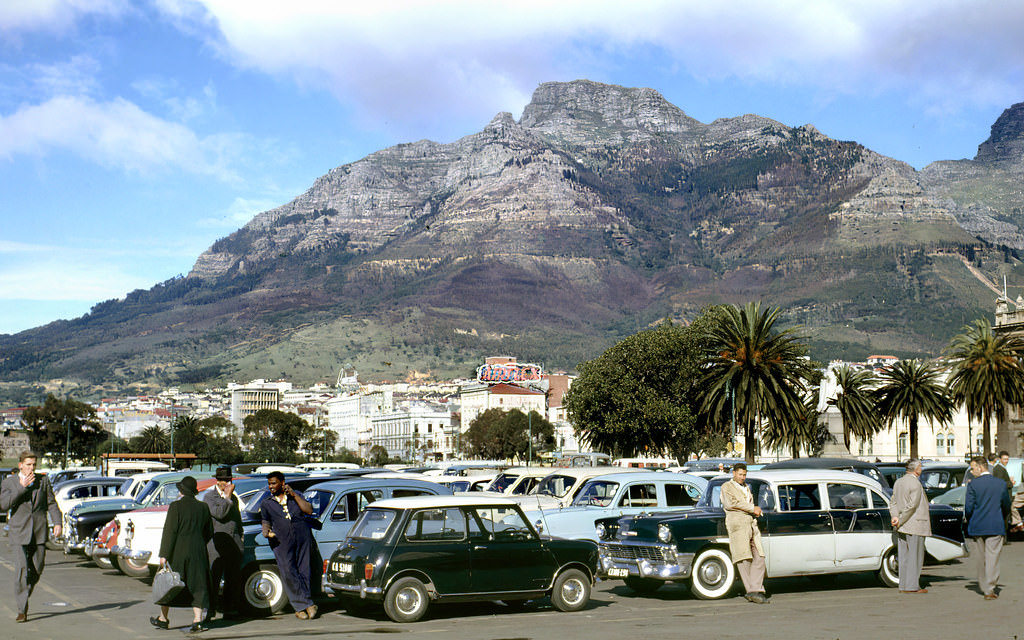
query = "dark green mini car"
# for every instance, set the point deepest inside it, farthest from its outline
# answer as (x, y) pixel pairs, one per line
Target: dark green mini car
(407, 552)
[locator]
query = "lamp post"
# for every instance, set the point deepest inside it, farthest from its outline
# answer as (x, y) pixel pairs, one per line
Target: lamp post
(67, 439)
(529, 442)
(172, 445)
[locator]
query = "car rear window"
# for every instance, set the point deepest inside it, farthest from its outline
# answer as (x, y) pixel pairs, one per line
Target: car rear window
(373, 524)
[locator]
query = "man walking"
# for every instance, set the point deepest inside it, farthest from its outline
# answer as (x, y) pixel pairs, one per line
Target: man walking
(912, 523)
(285, 526)
(744, 537)
(225, 548)
(985, 509)
(29, 498)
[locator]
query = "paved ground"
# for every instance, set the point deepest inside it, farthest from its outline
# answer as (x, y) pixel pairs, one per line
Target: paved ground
(77, 600)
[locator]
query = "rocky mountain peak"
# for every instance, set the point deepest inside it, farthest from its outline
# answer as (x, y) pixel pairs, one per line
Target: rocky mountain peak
(1006, 142)
(584, 109)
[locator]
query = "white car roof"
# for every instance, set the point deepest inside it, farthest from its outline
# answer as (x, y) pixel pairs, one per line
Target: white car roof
(812, 475)
(426, 502)
(644, 475)
(592, 472)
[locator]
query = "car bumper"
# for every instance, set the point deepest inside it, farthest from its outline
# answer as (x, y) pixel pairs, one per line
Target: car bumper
(643, 560)
(360, 589)
(138, 555)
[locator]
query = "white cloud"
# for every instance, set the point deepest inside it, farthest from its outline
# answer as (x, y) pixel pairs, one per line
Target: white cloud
(53, 15)
(395, 59)
(240, 212)
(115, 134)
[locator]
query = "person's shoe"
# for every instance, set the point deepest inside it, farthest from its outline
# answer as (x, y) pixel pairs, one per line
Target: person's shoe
(158, 623)
(302, 615)
(991, 596)
(311, 612)
(21, 617)
(198, 627)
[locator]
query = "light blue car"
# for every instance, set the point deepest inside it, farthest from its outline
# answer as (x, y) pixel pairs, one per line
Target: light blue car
(618, 494)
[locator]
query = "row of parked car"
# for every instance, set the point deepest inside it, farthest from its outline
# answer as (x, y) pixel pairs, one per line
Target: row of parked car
(406, 541)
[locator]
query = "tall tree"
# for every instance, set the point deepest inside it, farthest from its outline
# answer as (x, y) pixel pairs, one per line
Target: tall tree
(274, 436)
(641, 397)
(63, 428)
(762, 369)
(152, 439)
(987, 374)
(855, 403)
(497, 434)
(804, 433)
(913, 389)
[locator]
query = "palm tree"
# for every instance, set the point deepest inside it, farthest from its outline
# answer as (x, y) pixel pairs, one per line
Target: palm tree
(855, 403)
(150, 440)
(987, 374)
(912, 389)
(803, 433)
(763, 369)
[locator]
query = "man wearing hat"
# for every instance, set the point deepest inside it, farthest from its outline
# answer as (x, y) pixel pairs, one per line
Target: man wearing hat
(183, 546)
(225, 548)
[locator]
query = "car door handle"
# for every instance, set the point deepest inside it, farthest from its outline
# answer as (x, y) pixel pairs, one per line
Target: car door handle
(479, 547)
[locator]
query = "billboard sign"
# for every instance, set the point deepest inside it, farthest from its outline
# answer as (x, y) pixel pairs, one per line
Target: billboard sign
(508, 372)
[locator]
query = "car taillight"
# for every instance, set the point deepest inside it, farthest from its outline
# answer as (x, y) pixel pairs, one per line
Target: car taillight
(368, 571)
(326, 562)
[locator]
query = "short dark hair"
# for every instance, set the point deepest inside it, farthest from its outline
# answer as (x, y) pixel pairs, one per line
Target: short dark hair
(276, 474)
(26, 454)
(980, 461)
(739, 465)
(1004, 453)
(992, 457)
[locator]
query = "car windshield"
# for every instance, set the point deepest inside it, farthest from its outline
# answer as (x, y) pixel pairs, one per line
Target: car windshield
(502, 482)
(125, 486)
(597, 493)
(555, 485)
(373, 524)
(319, 500)
(150, 487)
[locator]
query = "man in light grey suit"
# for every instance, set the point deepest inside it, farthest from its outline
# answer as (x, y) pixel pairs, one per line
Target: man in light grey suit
(29, 497)
(912, 523)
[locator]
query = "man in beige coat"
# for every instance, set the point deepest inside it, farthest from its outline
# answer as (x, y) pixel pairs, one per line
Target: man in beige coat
(744, 537)
(912, 523)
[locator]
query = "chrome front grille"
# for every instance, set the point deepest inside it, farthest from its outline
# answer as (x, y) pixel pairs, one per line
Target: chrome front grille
(637, 552)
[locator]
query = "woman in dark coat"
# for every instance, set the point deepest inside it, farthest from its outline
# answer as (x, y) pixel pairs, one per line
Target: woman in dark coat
(187, 530)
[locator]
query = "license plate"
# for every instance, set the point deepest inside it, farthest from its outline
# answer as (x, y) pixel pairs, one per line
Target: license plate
(344, 568)
(616, 572)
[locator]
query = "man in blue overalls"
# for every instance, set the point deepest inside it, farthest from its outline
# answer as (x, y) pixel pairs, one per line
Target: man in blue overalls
(285, 526)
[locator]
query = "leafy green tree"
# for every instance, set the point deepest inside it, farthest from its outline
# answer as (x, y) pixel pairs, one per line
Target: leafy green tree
(321, 444)
(152, 439)
(62, 428)
(912, 389)
(855, 403)
(987, 375)
(346, 455)
(759, 368)
(640, 396)
(188, 435)
(497, 434)
(275, 435)
(379, 456)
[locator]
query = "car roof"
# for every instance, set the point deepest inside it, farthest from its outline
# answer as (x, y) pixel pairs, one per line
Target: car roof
(419, 502)
(591, 472)
(347, 483)
(812, 475)
(75, 482)
(819, 463)
(634, 476)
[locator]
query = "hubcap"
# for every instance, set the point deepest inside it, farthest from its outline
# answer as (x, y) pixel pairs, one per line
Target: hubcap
(711, 573)
(572, 591)
(408, 600)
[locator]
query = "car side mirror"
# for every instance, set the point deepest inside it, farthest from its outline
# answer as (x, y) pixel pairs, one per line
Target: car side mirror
(539, 526)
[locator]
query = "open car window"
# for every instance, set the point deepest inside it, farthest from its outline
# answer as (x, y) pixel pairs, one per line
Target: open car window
(640, 495)
(799, 497)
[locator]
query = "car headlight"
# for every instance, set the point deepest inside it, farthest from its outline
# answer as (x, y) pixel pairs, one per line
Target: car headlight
(664, 533)
(601, 531)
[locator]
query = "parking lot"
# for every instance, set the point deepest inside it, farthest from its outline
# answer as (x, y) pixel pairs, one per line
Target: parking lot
(77, 600)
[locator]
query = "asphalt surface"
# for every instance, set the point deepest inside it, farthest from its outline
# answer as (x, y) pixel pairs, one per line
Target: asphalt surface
(75, 600)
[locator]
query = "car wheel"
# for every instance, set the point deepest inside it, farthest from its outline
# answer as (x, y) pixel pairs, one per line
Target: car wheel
(571, 591)
(132, 568)
(54, 544)
(406, 600)
(643, 585)
(263, 590)
(713, 574)
(889, 574)
(105, 563)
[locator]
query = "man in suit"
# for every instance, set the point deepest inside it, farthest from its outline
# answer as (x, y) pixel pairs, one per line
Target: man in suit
(997, 467)
(29, 497)
(912, 523)
(744, 537)
(225, 548)
(985, 509)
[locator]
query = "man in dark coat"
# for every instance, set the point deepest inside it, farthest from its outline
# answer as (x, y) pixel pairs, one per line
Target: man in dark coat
(985, 508)
(183, 546)
(285, 526)
(29, 498)
(225, 549)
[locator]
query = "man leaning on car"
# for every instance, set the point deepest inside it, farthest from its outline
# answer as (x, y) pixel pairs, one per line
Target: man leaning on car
(744, 537)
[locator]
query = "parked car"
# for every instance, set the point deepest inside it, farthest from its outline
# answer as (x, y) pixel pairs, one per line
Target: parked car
(516, 481)
(336, 505)
(409, 552)
(937, 477)
(472, 483)
(618, 494)
(869, 469)
(561, 486)
(815, 521)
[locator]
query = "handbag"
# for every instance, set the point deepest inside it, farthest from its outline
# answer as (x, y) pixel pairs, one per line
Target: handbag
(167, 585)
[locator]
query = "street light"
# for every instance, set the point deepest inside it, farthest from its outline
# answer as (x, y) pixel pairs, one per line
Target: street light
(529, 444)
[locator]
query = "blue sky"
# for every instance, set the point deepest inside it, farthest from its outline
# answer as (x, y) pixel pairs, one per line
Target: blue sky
(135, 133)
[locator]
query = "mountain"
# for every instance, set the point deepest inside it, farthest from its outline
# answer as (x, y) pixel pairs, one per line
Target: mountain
(599, 212)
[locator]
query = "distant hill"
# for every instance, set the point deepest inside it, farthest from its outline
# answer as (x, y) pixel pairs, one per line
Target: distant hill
(601, 211)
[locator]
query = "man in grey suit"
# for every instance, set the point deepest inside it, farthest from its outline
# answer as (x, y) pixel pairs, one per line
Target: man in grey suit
(912, 524)
(29, 497)
(225, 548)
